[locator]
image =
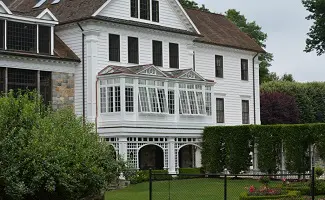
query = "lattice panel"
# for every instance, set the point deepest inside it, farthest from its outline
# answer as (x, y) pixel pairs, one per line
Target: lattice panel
(132, 155)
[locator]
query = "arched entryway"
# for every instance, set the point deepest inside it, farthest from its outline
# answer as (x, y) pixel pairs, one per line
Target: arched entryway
(151, 157)
(189, 156)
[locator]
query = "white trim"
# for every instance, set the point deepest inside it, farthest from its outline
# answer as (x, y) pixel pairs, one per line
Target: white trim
(3, 5)
(52, 40)
(201, 77)
(153, 66)
(39, 3)
(5, 34)
(28, 19)
(55, 2)
(37, 38)
(101, 8)
(186, 15)
(47, 11)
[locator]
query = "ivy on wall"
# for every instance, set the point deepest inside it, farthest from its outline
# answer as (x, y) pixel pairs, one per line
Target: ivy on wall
(230, 146)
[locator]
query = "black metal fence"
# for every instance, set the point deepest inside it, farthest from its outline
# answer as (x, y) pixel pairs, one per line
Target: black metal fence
(230, 187)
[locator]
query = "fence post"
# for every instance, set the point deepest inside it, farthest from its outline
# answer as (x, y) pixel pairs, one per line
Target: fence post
(313, 183)
(225, 185)
(150, 184)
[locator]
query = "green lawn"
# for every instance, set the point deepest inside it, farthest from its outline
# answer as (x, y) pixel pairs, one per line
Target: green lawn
(191, 189)
(196, 189)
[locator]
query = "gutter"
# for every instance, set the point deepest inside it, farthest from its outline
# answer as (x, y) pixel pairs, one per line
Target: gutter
(83, 75)
(254, 90)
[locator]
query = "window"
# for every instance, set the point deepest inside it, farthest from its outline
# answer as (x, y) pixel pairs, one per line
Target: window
(110, 98)
(152, 97)
(46, 86)
(2, 34)
(103, 100)
(184, 103)
(208, 103)
(192, 100)
(134, 8)
(44, 39)
(162, 100)
(245, 111)
(143, 99)
(117, 99)
(145, 9)
(200, 102)
(21, 36)
(22, 79)
(129, 99)
(220, 110)
(155, 11)
(171, 101)
(244, 69)
(153, 100)
(114, 47)
(2, 79)
(173, 56)
(219, 66)
(133, 50)
(157, 53)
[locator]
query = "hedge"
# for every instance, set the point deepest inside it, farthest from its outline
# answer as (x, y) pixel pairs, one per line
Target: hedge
(143, 176)
(230, 146)
(187, 173)
(290, 195)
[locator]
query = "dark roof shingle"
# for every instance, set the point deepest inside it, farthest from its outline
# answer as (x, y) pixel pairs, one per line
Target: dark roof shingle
(218, 30)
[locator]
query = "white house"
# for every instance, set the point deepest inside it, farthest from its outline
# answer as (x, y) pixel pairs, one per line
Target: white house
(148, 73)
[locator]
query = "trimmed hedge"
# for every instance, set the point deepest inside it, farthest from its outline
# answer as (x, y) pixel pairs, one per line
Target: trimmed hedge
(290, 195)
(187, 173)
(230, 146)
(143, 176)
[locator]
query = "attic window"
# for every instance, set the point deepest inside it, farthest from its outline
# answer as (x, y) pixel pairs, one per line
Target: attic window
(21, 36)
(44, 39)
(2, 34)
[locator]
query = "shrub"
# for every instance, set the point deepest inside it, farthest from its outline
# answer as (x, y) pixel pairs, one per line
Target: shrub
(290, 195)
(319, 171)
(187, 173)
(143, 176)
(50, 155)
(319, 187)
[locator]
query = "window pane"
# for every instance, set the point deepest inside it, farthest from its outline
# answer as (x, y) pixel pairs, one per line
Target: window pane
(145, 9)
(153, 100)
(114, 47)
(110, 99)
(22, 79)
(21, 36)
(103, 100)
(162, 100)
(171, 101)
(219, 66)
(191, 96)
(208, 103)
(133, 50)
(129, 99)
(144, 102)
(245, 111)
(134, 8)
(184, 103)
(46, 86)
(2, 34)
(157, 53)
(44, 39)
(173, 56)
(244, 69)
(2, 79)
(155, 11)
(117, 99)
(200, 101)
(220, 111)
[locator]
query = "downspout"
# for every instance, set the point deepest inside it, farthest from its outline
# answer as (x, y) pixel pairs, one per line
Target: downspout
(254, 90)
(83, 76)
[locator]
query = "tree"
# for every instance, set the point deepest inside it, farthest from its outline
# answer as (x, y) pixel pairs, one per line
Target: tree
(316, 34)
(193, 5)
(50, 155)
(278, 108)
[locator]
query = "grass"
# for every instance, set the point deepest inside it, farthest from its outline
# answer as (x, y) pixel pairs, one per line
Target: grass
(196, 189)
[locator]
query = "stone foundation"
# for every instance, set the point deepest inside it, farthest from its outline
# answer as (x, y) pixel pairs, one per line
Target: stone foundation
(62, 90)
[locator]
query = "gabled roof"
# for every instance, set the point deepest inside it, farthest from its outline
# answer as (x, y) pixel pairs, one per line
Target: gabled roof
(216, 29)
(188, 74)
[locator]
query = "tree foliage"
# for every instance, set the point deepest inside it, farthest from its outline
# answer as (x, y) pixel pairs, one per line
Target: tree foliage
(308, 96)
(193, 5)
(278, 108)
(50, 155)
(316, 35)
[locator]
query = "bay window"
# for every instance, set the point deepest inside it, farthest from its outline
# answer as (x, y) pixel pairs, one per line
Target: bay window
(171, 101)
(192, 101)
(110, 96)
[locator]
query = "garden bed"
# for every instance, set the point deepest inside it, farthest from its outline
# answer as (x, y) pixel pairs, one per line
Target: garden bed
(289, 194)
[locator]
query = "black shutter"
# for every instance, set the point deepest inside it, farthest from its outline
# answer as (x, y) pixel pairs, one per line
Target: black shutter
(134, 8)
(155, 11)
(157, 53)
(44, 39)
(173, 56)
(114, 47)
(133, 50)
(2, 34)
(219, 66)
(244, 69)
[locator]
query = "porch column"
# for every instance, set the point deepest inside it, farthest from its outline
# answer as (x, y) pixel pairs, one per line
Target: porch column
(91, 41)
(171, 156)
(283, 167)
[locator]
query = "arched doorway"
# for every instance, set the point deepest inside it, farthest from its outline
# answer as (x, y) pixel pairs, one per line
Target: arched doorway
(189, 156)
(151, 157)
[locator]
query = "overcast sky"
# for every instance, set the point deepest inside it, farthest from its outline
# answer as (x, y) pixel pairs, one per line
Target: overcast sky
(284, 22)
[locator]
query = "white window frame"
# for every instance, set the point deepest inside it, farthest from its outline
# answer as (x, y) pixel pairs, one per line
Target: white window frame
(195, 91)
(110, 83)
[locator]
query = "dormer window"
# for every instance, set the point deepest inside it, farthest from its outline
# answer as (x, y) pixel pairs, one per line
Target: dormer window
(21, 36)
(145, 9)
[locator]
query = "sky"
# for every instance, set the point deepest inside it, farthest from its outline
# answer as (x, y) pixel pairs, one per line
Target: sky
(284, 22)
